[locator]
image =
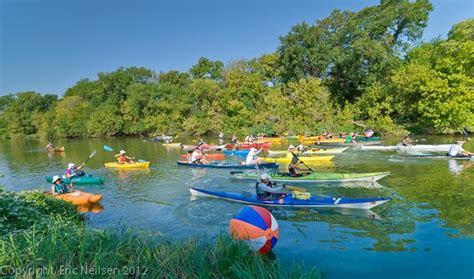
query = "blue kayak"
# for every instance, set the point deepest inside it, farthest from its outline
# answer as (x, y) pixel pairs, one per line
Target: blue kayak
(241, 153)
(228, 165)
(290, 201)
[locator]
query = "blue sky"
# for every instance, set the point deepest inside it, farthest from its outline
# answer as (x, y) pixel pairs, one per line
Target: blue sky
(48, 45)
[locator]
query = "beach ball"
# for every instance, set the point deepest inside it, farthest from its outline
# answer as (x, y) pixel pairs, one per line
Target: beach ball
(256, 226)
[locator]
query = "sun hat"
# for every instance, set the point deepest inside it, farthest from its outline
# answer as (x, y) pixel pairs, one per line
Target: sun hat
(264, 176)
(122, 152)
(71, 165)
(56, 178)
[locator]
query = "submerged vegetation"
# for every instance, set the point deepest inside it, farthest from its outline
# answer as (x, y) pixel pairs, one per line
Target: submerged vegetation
(367, 68)
(45, 236)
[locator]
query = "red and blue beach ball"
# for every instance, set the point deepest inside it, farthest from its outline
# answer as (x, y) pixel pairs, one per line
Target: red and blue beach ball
(256, 226)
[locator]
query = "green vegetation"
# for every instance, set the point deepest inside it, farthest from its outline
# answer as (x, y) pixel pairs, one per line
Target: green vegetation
(367, 67)
(43, 234)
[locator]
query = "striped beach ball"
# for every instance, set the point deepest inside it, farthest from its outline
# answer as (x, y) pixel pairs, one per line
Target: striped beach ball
(256, 226)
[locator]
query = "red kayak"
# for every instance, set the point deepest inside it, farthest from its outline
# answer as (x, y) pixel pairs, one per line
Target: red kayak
(212, 156)
(264, 145)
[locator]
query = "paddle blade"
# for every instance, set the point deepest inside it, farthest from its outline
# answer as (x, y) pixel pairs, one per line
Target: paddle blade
(108, 148)
(294, 188)
(141, 161)
(93, 154)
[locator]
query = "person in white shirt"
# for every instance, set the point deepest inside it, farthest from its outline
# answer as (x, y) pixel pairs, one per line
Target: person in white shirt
(198, 157)
(252, 158)
(456, 150)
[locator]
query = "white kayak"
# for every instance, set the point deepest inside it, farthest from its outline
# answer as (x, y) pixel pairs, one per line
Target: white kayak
(410, 148)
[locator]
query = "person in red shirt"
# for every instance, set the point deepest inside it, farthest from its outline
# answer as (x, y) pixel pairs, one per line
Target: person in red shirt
(122, 158)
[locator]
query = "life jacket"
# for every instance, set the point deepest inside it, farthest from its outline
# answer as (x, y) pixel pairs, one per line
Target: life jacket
(61, 188)
(262, 194)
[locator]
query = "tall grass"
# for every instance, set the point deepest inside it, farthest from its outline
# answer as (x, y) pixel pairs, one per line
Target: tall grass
(67, 248)
(52, 241)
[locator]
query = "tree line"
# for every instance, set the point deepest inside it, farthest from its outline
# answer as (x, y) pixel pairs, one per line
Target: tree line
(350, 70)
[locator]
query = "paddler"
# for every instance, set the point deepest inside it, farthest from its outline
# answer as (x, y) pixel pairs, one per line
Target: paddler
(234, 140)
(122, 158)
(293, 166)
(49, 146)
(73, 170)
(456, 150)
(198, 157)
(351, 138)
(266, 190)
(252, 158)
(59, 187)
(407, 141)
(300, 148)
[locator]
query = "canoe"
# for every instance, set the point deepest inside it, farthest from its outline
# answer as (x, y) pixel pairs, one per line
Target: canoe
(136, 165)
(87, 179)
(302, 158)
(312, 151)
(212, 156)
(174, 144)
(241, 153)
(227, 165)
(290, 201)
(80, 198)
(57, 149)
(317, 177)
(411, 148)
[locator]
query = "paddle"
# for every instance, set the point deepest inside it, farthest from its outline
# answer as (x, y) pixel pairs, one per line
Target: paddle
(294, 188)
(110, 149)
(90, 156)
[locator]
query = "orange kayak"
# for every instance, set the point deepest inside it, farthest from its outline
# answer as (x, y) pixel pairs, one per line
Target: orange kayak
(80, 198)
(212, 156)
(57, 149)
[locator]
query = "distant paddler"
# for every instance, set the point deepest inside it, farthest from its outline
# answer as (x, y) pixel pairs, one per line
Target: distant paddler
(122, 158)
(351, 138)
(198, 157)
(295, 163)
(234, 140)
(49, 146)
(252, 158)
(407, 141)
(456, 150)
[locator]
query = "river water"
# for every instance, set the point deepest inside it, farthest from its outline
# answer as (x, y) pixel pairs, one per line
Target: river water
(426, 231)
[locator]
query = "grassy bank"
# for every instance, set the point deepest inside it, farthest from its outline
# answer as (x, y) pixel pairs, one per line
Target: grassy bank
(56, 242)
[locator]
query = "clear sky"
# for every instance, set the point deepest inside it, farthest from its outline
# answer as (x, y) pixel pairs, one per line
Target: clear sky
(48, 45)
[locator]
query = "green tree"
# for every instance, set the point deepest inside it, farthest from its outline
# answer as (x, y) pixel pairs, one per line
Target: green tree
(105, 121)
(207, 69)
(71, 114)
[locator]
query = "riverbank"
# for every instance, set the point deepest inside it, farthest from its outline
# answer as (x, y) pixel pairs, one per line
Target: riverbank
(47, 237)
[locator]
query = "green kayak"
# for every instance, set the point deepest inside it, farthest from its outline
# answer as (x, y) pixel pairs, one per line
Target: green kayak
(363, 138)
(316, 177)
(87, 179)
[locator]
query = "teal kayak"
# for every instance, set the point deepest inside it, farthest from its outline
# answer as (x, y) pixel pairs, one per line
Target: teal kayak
(87, 179)
(316, 177)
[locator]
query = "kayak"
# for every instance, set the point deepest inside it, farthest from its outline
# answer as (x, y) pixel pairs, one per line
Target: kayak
(228, 165)
(136, 165)
(312, 151)
(302, 158)
(205, 147)
(291, 201)
(364, 138)
(160, 138)
(427, 156)
(317, 177)
(212, 156)
(177, 144)
(86, 179)
(57, 149)
(419, 147)
(257, 145)
(80, 198)
(292, 137)
(272, 139)
(334, 140)
(241, 153)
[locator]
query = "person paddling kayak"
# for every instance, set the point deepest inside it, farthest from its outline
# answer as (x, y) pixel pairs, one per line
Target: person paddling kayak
(197, 157)
(266, 190)
(456, 150)
(407, 141)
(122, 158)
(49, 146)
(252, 158)
(234, 140)
(73, 170)
(295, 163)
(59, 187)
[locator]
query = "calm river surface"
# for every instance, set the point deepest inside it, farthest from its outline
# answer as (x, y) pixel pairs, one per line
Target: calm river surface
(426, 231)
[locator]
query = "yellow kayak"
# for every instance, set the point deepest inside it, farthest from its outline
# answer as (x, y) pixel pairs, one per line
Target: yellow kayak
(312, 151)
(323, 140)
(302, 158)
(274, 139)
(80, 198)
(136, 165)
